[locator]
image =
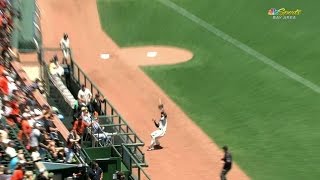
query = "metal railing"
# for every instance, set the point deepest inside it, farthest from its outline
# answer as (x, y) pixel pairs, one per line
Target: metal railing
(78, 75)
(131, 162)
(124, 135)
(111, 120)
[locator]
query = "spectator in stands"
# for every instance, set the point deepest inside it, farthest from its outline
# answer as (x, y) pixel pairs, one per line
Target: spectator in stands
(1, 170)
(11, 85)
(11, 110)
(77, 108)
(56, 152)
(23, 88)
(50, 176)
(4, 89)
(80, 175)
(6, 108)
(47, 122)
(80, 126)
(46, 112)
(98, 132)
(37, 84)
(119, 176)
(5, 173)
(85, 115)
(24, 134)
(29, 100)
(34, 137)
(29, 175)
(33, 119)
(18, 173)
(44, 142)
(65, 47)
(27, 116)
(17, 95)
(85, 95)
(4, 137)
(12, 153)
(35, 155)
(73, 142)
(41, 176)
(55, 68)
(17, 104)
(67, 75)
(96, 172)
(96, 104)
(22, 159)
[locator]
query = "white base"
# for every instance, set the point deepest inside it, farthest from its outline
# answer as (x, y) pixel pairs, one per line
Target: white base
(152, 54)
(104, 56)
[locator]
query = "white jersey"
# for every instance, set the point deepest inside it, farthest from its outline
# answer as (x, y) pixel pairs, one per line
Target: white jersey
(163, 124)
(65, 43)
(86, 95)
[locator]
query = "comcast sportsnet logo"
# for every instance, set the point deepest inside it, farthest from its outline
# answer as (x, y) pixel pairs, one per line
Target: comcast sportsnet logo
(283, 13)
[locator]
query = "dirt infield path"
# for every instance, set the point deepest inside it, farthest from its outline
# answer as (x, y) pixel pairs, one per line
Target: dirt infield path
(188, 153)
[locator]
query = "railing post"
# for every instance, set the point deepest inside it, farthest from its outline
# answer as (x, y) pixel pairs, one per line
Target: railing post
(105, 110)
(143, 158)
(72, 67)
(139, 173)
(78, 74)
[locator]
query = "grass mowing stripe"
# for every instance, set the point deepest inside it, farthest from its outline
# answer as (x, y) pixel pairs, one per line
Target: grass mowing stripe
(240, 45)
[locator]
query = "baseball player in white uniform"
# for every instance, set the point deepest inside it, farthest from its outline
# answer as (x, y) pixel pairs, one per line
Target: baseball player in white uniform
(162, 127)
(65, 45)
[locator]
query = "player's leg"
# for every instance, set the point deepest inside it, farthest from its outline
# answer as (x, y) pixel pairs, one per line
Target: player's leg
(154, 136)
(157, 142)
(223, 174)
(151, 147)
(157, 139)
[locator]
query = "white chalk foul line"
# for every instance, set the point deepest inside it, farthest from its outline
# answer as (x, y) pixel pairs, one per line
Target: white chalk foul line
(240, 45)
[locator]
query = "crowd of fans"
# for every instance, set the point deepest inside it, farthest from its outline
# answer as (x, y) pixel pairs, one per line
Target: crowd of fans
(27, 131)
(27, 134)
(36, 133)
(7, 13)
(86, 116)
(20, 114)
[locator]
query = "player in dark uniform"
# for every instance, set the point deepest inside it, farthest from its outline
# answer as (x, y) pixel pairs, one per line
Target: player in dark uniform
(227, 163)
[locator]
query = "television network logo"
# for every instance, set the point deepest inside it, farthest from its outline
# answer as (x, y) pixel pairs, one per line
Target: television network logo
(282, 13)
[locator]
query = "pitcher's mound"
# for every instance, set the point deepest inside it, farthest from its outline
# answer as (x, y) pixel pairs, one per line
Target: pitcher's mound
(155, 55)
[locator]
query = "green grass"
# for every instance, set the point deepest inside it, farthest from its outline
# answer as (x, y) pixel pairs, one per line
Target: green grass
(269, 120)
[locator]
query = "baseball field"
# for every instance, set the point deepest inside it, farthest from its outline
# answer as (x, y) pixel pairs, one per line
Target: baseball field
(253, 83)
